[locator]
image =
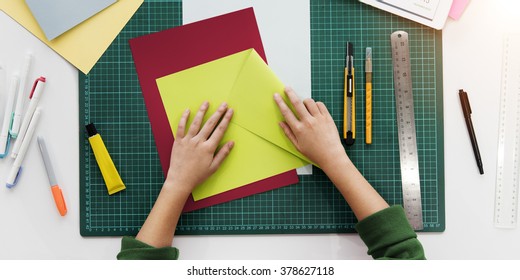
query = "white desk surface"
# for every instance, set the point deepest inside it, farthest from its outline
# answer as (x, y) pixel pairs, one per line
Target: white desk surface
(30, 227)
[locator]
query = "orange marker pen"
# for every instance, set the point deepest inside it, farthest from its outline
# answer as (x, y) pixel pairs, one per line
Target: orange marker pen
(56, 191)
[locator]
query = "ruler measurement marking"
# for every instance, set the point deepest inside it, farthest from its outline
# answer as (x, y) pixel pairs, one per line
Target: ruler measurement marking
(88, 194)
(409, 159)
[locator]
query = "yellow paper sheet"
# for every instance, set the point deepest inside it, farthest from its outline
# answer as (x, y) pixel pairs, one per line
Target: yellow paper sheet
(84, 44)
(244, 81)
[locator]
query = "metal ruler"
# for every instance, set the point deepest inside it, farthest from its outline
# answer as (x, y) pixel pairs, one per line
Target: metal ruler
(409, 158)
(508, 164)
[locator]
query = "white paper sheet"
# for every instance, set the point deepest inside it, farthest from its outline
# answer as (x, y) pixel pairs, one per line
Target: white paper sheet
(432, 13)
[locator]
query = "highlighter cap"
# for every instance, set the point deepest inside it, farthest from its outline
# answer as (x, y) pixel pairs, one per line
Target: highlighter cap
(91, 130)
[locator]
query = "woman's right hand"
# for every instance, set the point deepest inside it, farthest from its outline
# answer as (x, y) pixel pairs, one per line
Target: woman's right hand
(312, 130)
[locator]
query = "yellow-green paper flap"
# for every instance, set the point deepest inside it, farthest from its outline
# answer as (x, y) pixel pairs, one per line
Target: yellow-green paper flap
(253, 93)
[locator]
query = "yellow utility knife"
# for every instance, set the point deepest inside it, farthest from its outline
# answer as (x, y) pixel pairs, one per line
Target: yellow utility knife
(368, 96)
(349, 105)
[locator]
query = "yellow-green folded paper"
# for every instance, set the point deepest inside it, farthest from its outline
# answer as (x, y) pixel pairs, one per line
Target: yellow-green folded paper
(247, 84)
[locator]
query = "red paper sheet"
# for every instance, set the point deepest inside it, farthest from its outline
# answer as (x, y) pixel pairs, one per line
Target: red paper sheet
(176, 49)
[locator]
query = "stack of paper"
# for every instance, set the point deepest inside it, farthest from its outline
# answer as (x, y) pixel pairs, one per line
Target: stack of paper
(218, 59)
(84, 44)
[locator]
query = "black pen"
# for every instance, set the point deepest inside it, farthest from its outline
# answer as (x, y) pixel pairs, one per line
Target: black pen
(466, 109)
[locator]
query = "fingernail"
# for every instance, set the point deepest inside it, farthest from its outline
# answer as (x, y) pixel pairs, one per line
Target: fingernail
(276, 95)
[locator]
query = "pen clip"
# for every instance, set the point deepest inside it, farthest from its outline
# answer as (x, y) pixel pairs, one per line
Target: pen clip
(466, 107)
(40, 79)
(13, 135)
(6, 146)
(15, 179)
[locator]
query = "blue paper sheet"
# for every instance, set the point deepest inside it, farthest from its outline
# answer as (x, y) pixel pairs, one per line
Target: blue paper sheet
(55, 17)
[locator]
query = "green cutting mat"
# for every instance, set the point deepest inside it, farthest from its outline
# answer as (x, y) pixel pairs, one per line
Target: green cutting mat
(110, 97)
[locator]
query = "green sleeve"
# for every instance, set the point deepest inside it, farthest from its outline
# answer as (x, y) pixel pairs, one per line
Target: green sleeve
(132, 249)
(388, 235)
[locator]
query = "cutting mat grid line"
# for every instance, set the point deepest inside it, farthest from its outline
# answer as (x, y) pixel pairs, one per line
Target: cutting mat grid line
(111, 98)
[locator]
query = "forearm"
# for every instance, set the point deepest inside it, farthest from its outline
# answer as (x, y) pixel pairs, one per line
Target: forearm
(159, 227)
(195, 156)
(363, 199)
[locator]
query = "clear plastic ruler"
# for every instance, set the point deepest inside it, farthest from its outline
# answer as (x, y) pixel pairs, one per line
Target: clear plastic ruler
(409, 158)
(508, 163)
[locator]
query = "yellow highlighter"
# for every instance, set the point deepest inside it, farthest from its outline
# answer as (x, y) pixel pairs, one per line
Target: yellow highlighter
(349, 98)
(368, 97)
(106, 165)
